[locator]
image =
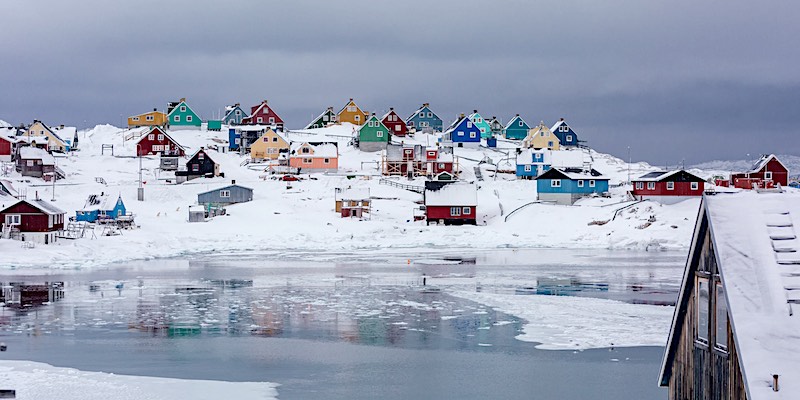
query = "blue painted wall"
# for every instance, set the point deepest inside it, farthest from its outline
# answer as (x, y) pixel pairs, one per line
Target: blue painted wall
(463, 132)
(233, 118)
(571, 186)
(517, 129)
(564, 136)
(427, 116)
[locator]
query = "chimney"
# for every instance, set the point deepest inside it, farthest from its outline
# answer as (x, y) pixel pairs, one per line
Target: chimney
(426, 104)
(266, 102)
(330, 108)
(155, 109)
(391, 108)
(351, 99)
(562, 119)
(233, 181)
(61, 126)
(518, 115)
(461, 115)
(495, 117)
(474, 111)
(183, 99)
(236, 105)
(37, 195)
(775, 387)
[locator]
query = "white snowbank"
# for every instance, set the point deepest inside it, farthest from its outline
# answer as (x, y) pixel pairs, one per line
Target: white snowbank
(578, 323)
(34, 380)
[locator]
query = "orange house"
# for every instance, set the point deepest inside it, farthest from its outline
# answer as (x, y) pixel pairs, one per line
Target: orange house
(152, 118)
(352, 113)
(314, 157)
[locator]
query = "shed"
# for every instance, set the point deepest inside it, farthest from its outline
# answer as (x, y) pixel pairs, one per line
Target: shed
(452, 204)
(197, 214)
(352, 202)
(231, 194)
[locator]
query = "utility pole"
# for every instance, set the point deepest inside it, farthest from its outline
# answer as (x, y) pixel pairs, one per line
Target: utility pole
(629, 165)
(140, 190)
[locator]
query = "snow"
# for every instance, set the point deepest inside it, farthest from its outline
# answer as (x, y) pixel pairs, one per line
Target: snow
(758, 285)
(33, 380)
(580, 323)
(305, 213)
(320, 150)
(352, 194)
(4, 124)
(454, 194)
(35, 153)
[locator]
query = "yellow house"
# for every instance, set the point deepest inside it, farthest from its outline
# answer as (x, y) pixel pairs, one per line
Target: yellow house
(39, 132)
(352, 113)
(269, 146)
(152, 118)
(541, 137)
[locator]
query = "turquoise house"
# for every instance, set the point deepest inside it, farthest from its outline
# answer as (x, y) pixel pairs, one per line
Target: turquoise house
(96, 209)
(517, 128)
(482, 124)
(181, 116)
(565, 186)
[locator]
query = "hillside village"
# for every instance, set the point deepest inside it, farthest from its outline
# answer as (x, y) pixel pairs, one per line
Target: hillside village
(171, 183)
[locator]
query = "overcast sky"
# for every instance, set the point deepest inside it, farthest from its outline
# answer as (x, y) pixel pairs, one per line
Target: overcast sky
(693, 80)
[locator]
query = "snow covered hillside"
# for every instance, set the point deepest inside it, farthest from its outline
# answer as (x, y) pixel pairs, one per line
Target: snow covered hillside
(301, 217)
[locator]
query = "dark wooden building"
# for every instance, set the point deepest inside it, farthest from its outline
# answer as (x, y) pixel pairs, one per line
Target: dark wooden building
(199, 165)
(38, 163)
(32, 221)
(668, 187)
(734, 331)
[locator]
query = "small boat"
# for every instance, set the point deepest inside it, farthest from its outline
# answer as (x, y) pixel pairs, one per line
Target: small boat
(525, 290)
(430, 290)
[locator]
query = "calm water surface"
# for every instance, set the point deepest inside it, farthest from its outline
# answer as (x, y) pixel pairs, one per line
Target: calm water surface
(344, 327)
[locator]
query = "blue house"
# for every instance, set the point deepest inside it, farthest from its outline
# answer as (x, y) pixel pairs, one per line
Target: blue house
(424, 120)
(517, 128)
(96, 208)
(531, 163)
(233, 139)
(462, 133)
(565, 134)
(566, 185)
(224, 196)
(233, 115)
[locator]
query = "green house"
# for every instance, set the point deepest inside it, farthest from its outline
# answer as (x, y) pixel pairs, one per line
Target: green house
(482, 124)
(373, 135)
(327, 117)
(517, 128)
(181, 116)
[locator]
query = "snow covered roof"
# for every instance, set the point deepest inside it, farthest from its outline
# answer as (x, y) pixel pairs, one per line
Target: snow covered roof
(252, 128)
(226, 188)
(657, 176)
(327, 110)
(352, 193)
(43, 205)
(4, 124)
(758, 256)
(559, 123)
(514, 121)
(149, 130)
(762, 162)
(7, 187)
(327, 150)
(573, 174)
(525, 156)
(455, 124)
(35, 153)
(67, 132)
(454, 194)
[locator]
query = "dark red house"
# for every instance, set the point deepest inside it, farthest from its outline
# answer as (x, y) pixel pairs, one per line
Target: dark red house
(452, 204)
(32, 221)
(263, 114)
(397, 126)
(766, 173)
(668, 187)
(6, 147)
(157, 141)
(418, 160)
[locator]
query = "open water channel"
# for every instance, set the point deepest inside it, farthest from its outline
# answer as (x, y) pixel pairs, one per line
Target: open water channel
(343, 327)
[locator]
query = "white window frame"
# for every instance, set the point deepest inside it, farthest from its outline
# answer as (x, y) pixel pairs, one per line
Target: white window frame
(150, 118)
(307, 160)
(556, 183)
(472, 135)
(176, 118)
(580, 183)
(13, 219)
(569, 138)
(639, 185)
(695, 185)
(379, 134)
(670, 185)
(224, 193)
(651, 186)
(259, 120)
(160, 137)
(151, 137)
(469, 124)
(455, 211)
(326, 160)
(466, 211)
(135, 118)
(768, 175)
(527, 168)
(357, 118)
(592, 183)
(271, 120)
(183, 108)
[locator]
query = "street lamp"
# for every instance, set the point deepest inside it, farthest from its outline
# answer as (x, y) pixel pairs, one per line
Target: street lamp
(140, 190)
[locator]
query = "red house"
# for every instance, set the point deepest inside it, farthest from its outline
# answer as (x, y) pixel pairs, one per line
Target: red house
(668, 187)
(263, 114)
(397, 126)
(766, 173)
(158, 142)
(32, 221)
(418, 160)
(451, 204)
(6, 147)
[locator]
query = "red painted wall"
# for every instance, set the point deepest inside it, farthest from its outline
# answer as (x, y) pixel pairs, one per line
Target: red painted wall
(145, 144)
(681, 189)
(5, 147)
(33, 220)
(265, 113)
(443, 212)
(397, 126)
(779, 175)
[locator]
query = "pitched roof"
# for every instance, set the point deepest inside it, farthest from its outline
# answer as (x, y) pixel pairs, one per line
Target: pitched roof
(327, 150)
(573, 174)
(762, 162)
(42, 205)
(752, 240)
(419, 110)
(557, 124)
(313, 121)
(525, 156)
(514, 120)
(226, 187)
(351, 194)
(35, 153)
(454, 194)
(657, 176)
(155, 128)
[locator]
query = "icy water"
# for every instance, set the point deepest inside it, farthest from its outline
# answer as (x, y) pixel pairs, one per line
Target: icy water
(344, 327)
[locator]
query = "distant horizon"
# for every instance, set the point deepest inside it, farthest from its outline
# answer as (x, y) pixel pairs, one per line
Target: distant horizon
(678, 81)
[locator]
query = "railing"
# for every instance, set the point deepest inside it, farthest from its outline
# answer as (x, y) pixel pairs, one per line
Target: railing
(519, 208)
(413, 188)
(619, 210)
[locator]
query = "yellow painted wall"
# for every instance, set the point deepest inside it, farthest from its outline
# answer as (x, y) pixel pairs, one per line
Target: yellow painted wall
(350, 116)
(39, 130)
(259, 150)
(540, 138)
(159, 119)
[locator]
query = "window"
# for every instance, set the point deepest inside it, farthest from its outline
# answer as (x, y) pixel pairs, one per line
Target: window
(695, 185)
(702, 310)
(411, 124)
(259, 120)
(201, 156)
(177, 118)
(379, 133)
(351, 108)
(149, 118)
(580, 182)
(195, 167)
(639, 185)
(357, 118)
(13, 219)
(183, 108)
(272, 150)
(135, 118)
(424, 124)
(555, 183)
(550, 144)
(541, 134)
(307, 161)
(563, 128)
(430, 114)
(431, 154)
(397, 128)
(651, 186)
(325, 118)
(326, 161)
(271, 120)
(151, 137)
(527, 168)
(721, 317)
(160, 137)
(156, 147)
(224, 193)
(469, 124)
(460, 133)
(238, 112)
(483, 130)
(275, 139)
(768, 175)
(305, 150)
(569, 138)
(472, 135)
(29, 163)
(466, 210)
(441, 165)
(265, 139)
(591, 182)
(455, 211)
(670, 185)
